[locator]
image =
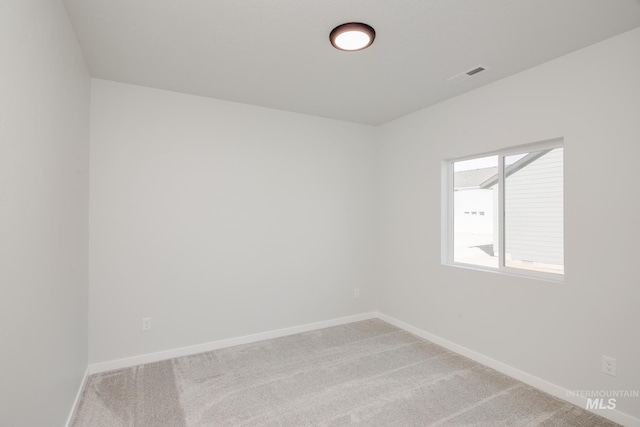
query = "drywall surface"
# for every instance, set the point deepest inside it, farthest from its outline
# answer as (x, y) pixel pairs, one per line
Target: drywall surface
(557, 332)
(218, 220)
(44, 159)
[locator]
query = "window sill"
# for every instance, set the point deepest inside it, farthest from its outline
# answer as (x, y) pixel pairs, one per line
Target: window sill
(506, 271)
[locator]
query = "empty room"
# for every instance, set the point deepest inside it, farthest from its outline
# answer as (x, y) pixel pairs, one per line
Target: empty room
(245, 213)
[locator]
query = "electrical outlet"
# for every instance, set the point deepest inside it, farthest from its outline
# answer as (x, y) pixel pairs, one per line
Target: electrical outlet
(609, 365)
(146, 324)
(356, 293)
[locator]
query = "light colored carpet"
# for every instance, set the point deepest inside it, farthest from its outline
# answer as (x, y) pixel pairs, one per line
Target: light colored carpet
(365, 373)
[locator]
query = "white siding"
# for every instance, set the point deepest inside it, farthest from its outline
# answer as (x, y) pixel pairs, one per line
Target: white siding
(534, 227)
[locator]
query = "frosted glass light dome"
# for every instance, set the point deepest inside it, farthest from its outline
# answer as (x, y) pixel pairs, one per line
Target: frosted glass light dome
(352, 36)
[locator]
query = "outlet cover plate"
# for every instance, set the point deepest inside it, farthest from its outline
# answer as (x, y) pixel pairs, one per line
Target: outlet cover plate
(609, 365)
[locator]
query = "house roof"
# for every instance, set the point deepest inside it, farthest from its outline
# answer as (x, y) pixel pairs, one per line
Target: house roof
(471, 179)
(513, 168)
(485, 178)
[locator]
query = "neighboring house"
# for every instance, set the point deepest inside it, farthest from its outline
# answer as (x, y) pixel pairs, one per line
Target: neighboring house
(534, 227)
(473, 206)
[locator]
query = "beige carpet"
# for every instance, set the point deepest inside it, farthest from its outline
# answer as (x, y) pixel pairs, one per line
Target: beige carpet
(365, 373)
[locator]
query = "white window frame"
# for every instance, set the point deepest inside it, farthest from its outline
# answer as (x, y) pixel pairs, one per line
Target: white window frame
(447, 237)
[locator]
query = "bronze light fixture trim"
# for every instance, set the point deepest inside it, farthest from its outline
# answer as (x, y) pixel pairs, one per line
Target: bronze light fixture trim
(352, 36)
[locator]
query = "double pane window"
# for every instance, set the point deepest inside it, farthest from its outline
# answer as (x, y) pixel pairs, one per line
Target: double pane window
(506, 211)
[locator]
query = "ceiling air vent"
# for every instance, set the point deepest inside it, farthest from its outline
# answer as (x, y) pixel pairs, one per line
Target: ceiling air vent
(474, 71)
(467, 74)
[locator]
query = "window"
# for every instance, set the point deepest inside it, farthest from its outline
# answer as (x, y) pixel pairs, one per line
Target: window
(504, 211)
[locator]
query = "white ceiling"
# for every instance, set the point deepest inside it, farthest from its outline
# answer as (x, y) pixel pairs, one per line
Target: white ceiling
(276, 53)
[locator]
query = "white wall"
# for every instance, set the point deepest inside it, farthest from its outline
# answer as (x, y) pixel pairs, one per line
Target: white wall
(219, 219)
(44, 154)
(557, 332)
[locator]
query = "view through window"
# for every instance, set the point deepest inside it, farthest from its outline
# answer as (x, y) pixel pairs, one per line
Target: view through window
(508, 210)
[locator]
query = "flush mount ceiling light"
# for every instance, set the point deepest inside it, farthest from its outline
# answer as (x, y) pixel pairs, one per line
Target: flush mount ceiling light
(352, 36)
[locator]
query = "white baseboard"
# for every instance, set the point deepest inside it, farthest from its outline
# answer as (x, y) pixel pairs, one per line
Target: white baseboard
(546, 386)
(76, 401)
(215, 345)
